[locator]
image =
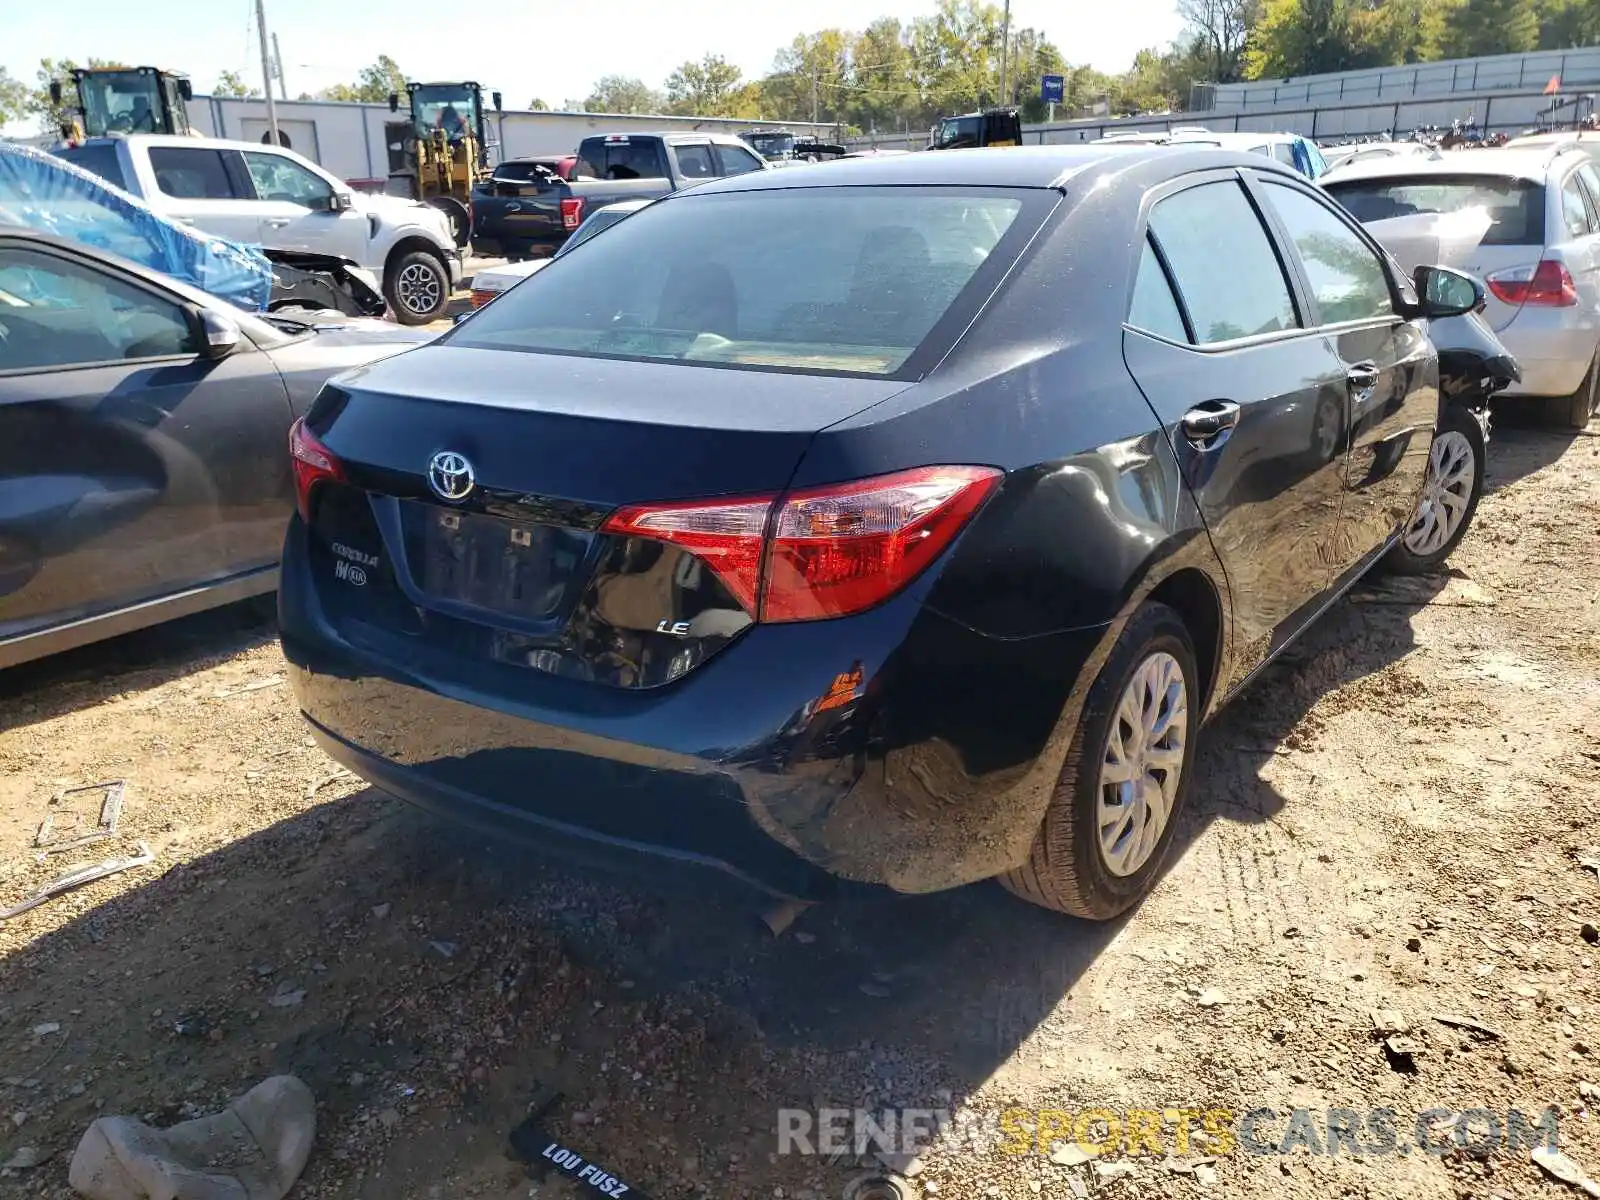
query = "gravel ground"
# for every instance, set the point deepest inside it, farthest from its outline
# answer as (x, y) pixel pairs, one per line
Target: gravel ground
(1398, 818)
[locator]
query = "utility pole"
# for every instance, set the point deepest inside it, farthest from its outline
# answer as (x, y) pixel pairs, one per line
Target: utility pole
(813, 97)
(277, 62)
(1005, 55)
(266, 71)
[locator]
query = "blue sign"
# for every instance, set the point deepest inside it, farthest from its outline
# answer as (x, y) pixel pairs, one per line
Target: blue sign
(1052, 88)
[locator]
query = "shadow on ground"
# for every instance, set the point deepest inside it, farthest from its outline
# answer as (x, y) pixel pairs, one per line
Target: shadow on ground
(166, 993)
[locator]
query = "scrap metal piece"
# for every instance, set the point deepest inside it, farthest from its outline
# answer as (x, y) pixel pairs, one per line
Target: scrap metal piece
(110, 814)
(78, 877)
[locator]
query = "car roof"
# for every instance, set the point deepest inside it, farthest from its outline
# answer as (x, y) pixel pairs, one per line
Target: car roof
(1251, 138)
(1008, 166)
(1531, 164)
(673, 136)
(185, 140)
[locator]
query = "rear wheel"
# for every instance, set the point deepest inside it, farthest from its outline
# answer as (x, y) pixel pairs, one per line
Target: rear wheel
(1450, 494)
(417, 288)
(1110, 822)
(1574, 411)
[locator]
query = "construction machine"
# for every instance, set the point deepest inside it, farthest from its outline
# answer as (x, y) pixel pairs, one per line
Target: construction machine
(124, 100)
(988, 127)
(441, 150)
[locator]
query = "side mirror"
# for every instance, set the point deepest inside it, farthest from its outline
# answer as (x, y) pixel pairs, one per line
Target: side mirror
(221, 334)
(55, 92)
(1447, 293)
(498, 101)
(341, 202)
(186, 90)
(394, 101)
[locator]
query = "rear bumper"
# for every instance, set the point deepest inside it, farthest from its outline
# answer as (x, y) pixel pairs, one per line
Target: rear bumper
(1554, 359)
(499, 246)
(934, 775)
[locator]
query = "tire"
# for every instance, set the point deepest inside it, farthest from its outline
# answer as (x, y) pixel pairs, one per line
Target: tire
(1424, 546)
(1067, 869)
(417, 288)
(1574, 411)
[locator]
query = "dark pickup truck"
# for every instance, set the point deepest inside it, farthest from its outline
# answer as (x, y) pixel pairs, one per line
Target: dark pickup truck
(531, 217)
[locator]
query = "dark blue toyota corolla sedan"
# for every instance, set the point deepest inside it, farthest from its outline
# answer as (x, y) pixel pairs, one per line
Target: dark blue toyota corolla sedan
(889, 523)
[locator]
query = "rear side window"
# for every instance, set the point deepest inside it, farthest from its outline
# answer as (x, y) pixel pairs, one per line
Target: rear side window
(186, 174)
(1574, 212)
(1154, 308)
(695, 162)
(1514, 208)
(1223, 263)
(1347, 279)
(100, 158)
(845, 280)
(602, 159)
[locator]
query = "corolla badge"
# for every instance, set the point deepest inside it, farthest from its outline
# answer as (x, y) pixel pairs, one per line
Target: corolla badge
(450, 475)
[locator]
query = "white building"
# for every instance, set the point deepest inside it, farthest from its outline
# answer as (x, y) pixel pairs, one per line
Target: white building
(348, 139)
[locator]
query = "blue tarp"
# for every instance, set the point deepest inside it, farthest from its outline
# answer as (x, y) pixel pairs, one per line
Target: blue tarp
(40, 191)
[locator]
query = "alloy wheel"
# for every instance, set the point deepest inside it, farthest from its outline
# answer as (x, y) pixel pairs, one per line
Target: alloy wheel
(1143, 762)
(418, 289)
(1445, 493)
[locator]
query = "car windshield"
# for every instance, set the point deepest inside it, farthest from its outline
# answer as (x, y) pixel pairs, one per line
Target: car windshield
(956, 132)
(120, 102)
(843, 280)
(771, 145)
(447, 106)
(1514, 207)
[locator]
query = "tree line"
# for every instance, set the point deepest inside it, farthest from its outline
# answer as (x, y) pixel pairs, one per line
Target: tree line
(895, 76)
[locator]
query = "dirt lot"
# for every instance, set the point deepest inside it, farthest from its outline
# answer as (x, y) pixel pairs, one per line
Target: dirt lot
(1395, 818)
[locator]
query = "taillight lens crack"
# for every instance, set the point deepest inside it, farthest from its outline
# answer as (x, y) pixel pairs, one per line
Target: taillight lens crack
(820, 552)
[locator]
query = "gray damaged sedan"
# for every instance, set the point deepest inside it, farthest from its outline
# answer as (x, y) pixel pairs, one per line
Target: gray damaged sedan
(143, 426)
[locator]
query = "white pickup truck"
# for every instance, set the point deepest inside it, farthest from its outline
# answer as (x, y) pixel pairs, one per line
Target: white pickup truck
(269, 196)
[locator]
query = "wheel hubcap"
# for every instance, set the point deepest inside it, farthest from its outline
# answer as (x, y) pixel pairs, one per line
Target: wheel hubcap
(1143, 762)
(418, 289)
(1445, 493)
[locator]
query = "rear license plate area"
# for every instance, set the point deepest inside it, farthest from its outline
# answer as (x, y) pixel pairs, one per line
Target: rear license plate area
(493, 564)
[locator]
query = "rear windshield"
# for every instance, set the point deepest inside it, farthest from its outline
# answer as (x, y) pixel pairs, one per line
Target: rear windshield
(100, 159)
(835, 279)
(522, 172)
(1515, 207)
(600, 158)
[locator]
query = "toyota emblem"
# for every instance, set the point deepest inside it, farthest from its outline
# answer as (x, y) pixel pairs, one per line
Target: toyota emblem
(450, 475)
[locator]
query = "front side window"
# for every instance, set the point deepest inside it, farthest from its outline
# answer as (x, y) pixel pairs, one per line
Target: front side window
(732, 160)
(849, 279)
(191, 174)
(280, 178)
(1348, 280)
(58, 313)
(1200, 230)
(601, 158)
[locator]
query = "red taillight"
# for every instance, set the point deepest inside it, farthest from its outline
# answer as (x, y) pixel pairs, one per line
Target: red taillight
(571, 211)
(824, 551)
(313, 462)
(1549, 285)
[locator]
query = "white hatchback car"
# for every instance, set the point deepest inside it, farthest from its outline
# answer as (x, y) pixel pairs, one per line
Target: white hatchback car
(1527, 222)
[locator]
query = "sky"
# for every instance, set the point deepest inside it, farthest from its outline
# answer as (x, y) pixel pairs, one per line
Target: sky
(550, 51)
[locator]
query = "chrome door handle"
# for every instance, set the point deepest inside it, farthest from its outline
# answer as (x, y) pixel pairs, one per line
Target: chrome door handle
(1205, 423)
(277, 222)
(1363, 377)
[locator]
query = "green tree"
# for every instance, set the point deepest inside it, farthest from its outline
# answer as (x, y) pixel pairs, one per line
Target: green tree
(1567, 24)
(231, 83)
(883, 89)
(1222, 29)
(13, 97)
(708, 88)
(811, 77)
(372, 86)
(1492, 27)
(621, 94)
(537, 105)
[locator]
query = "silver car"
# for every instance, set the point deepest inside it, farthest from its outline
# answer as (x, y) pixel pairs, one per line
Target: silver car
(1525, 221)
